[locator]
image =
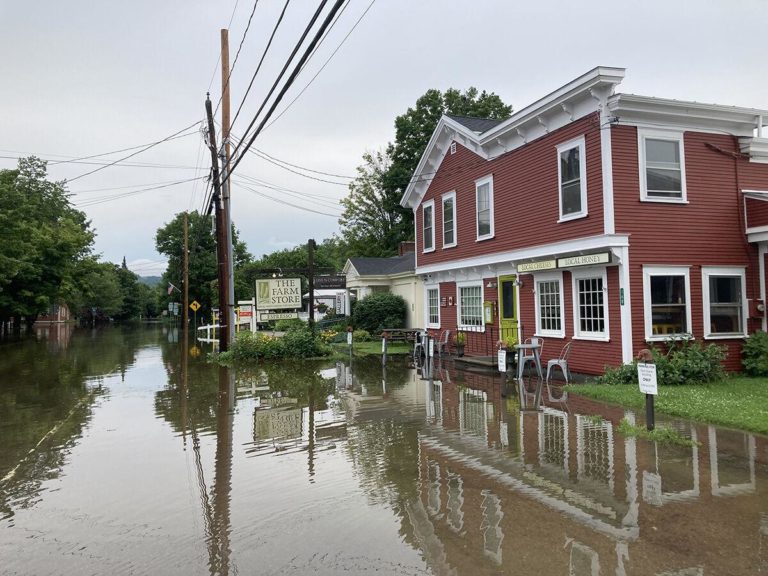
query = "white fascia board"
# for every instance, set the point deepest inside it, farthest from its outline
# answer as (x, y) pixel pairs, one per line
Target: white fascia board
(442, 135)
(349, 266)
(634, 109)
(601, 76)
(589, 243)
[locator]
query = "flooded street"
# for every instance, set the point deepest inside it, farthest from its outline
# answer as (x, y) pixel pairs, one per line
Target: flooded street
(118, 457)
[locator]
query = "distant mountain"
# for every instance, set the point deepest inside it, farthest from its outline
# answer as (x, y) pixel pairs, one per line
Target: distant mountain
(151, 281)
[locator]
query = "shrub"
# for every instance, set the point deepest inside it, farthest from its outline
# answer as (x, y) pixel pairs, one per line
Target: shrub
(361, 336)
(379, 311)
(297, 343)
(302, 344)
(755, 352)
(287, 325)
(685, 362)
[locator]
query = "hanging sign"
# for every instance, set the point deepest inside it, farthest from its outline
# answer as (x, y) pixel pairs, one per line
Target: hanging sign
(278, 293)
(330, 282)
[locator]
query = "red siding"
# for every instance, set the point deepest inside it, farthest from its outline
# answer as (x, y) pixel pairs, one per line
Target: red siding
(525, 194)
(708, 231)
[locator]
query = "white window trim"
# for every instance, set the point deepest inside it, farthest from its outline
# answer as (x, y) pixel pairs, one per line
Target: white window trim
(468, 327)
(671, 135)
(649, 271)
(487, 180)
(735, 271)
(429, 204)
(450, 196)
(581, 274)
(579, 143)
(549, 277)
(427, 323)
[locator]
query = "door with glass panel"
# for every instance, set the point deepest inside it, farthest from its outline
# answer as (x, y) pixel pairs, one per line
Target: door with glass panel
(508, 310)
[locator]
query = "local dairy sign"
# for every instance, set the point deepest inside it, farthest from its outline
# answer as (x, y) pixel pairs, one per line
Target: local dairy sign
(278, 293)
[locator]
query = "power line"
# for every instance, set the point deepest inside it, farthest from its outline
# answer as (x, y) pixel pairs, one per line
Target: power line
(112, 197)
(279, 201)
(262, 153)
(323, 66)
(261, 61)
(144, 149)
(119, 164)
(237, 55)
(216, 66)
(291, 78)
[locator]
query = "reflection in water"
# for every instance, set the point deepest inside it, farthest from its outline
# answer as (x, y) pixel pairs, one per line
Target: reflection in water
(176, 466)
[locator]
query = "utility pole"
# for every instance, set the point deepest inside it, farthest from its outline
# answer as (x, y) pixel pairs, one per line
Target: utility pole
(311, 279)
(225, 126)
(185, 302)
(221, 238)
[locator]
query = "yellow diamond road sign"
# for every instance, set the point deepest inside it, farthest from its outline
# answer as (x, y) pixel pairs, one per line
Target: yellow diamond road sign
(195, 305)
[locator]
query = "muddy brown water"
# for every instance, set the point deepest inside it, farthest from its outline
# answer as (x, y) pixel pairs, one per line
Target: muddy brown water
(119, 457)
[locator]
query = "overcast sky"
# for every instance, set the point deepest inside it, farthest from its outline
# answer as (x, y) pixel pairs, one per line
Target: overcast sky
(82, 78)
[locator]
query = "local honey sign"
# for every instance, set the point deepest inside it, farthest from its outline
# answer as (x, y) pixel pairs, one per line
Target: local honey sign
(278, 293)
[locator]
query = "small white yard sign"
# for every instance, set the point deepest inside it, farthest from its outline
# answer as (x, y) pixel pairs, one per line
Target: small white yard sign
(502, 360)
(646, 376)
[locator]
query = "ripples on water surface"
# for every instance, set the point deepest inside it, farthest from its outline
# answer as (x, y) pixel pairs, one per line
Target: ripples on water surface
(119, 458)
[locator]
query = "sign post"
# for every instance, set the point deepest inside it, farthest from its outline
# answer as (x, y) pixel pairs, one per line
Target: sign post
(646, 376)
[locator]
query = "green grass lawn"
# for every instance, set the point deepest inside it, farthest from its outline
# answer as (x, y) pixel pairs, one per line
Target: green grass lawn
(374, 347)
(737, 402)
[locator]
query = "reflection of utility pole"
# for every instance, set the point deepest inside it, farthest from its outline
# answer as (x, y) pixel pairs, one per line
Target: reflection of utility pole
(311, 432)
(184, 378)
(222, 487)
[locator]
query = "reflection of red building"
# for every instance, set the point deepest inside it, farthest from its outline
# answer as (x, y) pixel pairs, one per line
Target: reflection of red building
(545, 492)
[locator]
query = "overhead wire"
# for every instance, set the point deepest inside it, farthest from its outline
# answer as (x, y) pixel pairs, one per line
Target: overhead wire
(112, 197)
(216, 66)
(289, 81)
(237, 55)
(261, 61)
(286, 203)
(144, 149)
(291, 103)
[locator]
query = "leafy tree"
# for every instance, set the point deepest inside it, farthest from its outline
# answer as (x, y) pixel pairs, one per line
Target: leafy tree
(203, 273)
(42, 240)
(373, 222)
(376, 312)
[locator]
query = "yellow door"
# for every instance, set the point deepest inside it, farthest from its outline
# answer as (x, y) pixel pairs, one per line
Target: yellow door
(508, 310)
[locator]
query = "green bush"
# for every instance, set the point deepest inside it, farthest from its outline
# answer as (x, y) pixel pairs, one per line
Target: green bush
(287, 325)
(379, 311)
(755, 354)
(361, 336)
(685, 362)
(302, 344)
(297, 343)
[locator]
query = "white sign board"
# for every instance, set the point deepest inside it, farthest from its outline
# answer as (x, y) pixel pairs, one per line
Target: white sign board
(278, 293)
(349, 338)
(646, 376)
(267, 316)
(502, 357)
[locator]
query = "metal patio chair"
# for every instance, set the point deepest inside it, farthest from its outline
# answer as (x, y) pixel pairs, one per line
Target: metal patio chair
(562, 361)
(442, 344)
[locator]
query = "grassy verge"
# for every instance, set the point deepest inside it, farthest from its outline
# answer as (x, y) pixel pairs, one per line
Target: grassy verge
(368, 348)
(737, 402)
(661, 434)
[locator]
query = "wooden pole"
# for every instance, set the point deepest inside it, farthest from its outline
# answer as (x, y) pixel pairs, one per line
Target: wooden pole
(185, 304)
(226, 188)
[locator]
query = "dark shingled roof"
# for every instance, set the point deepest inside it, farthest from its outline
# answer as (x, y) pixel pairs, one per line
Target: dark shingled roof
(384, 266)
(478, 125)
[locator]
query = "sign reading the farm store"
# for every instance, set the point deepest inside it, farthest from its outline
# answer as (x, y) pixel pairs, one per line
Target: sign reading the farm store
(278, 293)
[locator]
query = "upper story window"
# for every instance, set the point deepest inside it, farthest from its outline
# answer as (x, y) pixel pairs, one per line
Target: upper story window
(449, 219)
(667, 301)
(433, 307)
(724, 313)
(572, 174)
(484, 207)
(662, 165)
(590, 308)
(428, 213)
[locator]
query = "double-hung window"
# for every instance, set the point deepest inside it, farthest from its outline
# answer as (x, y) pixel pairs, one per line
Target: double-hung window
(662, 165)
(449, 219)
(590, 304)
(433, 307)
(724, 312)
(484, 207)
(428, 228)
(572, 175)
(549, 305)
(470, 309)
(667, 301)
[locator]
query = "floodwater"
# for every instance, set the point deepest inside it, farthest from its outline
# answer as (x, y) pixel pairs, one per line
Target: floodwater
(119, 457)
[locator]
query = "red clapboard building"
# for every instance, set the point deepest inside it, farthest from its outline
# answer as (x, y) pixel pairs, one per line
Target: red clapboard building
(606, 219)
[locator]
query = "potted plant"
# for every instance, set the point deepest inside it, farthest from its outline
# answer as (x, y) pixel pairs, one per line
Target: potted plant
(460, 339)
